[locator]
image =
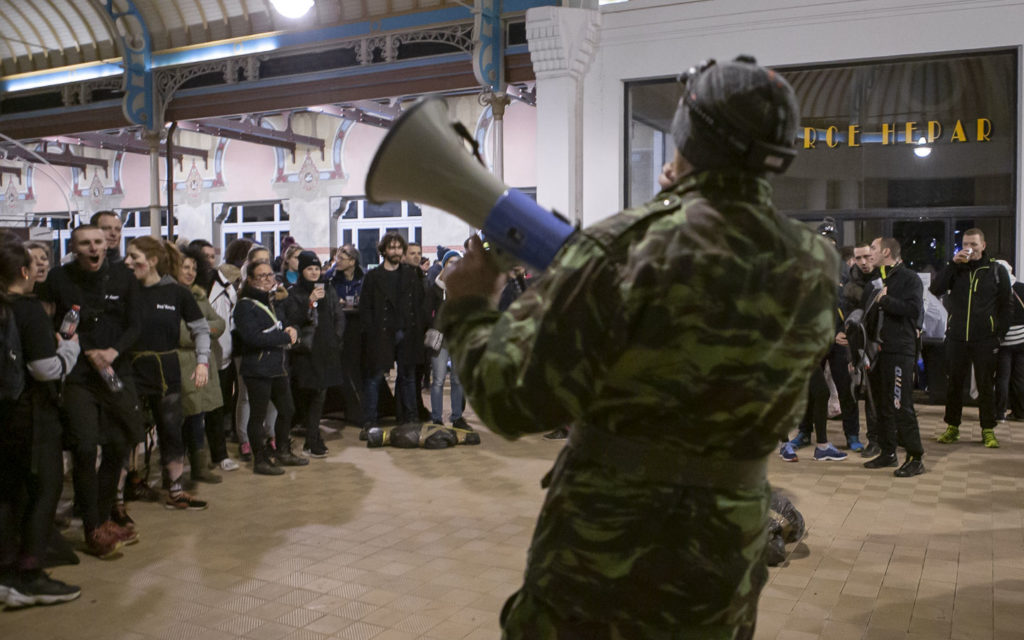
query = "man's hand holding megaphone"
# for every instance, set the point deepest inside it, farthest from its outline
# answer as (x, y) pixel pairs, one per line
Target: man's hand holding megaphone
(474, 275)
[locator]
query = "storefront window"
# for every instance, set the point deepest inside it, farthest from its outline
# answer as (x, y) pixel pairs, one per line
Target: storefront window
(918, 146)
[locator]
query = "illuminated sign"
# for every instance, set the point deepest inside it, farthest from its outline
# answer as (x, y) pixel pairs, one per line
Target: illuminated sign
(912, 133)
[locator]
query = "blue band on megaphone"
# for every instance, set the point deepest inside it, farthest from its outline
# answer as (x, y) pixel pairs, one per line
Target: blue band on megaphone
(519, 226)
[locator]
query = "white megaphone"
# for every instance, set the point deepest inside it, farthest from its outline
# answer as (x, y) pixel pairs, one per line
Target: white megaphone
(423, 159)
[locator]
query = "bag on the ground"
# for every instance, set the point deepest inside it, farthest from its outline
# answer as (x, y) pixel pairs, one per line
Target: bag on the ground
(785, 524)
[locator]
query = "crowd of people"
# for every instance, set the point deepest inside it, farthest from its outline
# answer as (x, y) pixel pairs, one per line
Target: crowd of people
(880, 321)
(165, 339)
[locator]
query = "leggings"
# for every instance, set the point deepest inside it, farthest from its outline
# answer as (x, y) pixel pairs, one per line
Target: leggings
(242, 410)
(166, 412)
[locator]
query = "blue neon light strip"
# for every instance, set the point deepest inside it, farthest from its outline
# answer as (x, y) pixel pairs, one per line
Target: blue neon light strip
(267, 43)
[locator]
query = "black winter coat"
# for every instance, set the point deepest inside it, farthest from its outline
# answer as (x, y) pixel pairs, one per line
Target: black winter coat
(902, 310)
(375, 312)
(259, 336)
(979, 299)
(320, 367)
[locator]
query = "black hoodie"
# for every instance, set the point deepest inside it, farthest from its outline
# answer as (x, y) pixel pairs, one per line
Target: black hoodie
(979, 299)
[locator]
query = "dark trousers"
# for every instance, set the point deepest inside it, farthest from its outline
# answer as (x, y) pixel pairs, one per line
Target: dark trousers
(959, 358)
(892, 386)
(261, 392)
(312, 403)
(816, 414)
(229, 394)
(1010, 381)
(31, 475)
(90, 423)
(838, 363)
(405, 394)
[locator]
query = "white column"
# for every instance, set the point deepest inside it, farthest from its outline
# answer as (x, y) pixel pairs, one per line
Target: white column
(562, 43)
(153, 138)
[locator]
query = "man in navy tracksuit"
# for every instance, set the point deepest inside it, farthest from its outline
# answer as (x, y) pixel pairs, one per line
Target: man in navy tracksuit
(978, 303)
(899, 313)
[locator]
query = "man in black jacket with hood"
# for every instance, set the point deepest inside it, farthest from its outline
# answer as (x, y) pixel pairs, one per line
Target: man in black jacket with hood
(897, 318)
(978, 304)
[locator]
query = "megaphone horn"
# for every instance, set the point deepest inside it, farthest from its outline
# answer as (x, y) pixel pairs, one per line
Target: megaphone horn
(423, 159)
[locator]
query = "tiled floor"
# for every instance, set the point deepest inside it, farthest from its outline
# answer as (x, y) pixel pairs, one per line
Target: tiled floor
(391, 544)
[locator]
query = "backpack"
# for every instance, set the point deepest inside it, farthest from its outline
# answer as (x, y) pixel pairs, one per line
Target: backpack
(12, 365)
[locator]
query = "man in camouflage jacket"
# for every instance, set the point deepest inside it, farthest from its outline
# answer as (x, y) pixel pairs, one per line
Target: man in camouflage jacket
(677, 339)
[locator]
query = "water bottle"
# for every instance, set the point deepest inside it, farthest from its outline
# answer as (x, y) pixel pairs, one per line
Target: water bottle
(70, 323)
(112, 380)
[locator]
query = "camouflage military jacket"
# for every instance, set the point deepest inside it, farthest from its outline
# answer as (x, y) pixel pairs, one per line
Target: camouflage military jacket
(690, 323)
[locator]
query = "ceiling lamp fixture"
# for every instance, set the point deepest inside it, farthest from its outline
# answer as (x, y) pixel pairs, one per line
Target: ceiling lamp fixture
(922, 150)
(292, 8)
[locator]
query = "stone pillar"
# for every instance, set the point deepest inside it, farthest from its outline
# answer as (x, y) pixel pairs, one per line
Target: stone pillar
(562, 44)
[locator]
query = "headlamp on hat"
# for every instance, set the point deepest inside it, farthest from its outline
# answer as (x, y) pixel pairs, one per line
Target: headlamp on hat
(736, 114)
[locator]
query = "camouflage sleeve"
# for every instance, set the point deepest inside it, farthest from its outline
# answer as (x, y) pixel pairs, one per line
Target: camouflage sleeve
(533, 367)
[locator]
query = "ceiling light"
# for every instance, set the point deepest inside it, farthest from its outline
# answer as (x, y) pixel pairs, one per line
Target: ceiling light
(292, 8)
(922, 150)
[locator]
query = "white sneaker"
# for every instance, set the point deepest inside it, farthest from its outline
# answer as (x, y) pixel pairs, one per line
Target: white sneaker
(227, 464)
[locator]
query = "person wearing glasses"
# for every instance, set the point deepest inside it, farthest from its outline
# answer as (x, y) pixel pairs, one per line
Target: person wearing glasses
(263, 340)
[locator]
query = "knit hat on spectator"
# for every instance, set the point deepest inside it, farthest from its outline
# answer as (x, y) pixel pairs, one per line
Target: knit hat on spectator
(448, 256)
(307, 259)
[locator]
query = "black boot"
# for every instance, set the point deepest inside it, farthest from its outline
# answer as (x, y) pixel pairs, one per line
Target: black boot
(286, 458)
(263, 465)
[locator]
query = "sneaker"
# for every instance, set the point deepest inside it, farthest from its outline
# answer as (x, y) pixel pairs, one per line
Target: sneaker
(557, 434)
(36, 587)
(125, 535)
(316, 450)
(460, 423)
(912, 467)
(883, 460)
(119, 516)
(7, 578)
(183, 501)
(139, 490)
(950, 435)
(828, 453)
(854, 444)
(102, 544)
(988, 436)
(871, 450)
(245, 452)
(227, 464)
(801, 440)
(787, 453)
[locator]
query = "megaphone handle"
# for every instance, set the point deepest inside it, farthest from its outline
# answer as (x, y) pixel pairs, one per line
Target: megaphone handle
(464, 133)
